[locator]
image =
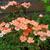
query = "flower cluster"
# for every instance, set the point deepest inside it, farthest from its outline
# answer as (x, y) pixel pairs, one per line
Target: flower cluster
(22, 23)
(11, 3)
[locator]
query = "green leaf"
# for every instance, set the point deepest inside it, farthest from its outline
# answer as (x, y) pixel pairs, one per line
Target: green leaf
(45, 1)
(48, 8)
(18, 49)
(49, 26)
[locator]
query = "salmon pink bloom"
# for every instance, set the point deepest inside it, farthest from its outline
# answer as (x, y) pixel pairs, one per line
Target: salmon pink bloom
(26, 5)
(19, 23)
(1, 28)
(26, 21)
(42, 38)
(37, 28)
(21, 19)
(17, 28)
(34, 23)
(2, 24)
(44, 26)
(15, 22)
(23, 38)
(22, 26)
(7, 25)
(27, 31)
(10, 3)
(30, 40)
(48, 33)
(34, 28)
(6, 30)
(41, 33)
(2, 7)
(14, 2)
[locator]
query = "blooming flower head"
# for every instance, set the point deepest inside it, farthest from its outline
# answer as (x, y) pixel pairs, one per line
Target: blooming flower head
(15, 22)
(48, 33)
(27, 21)
(42, 38)
(22, 26)
(30, 40)
(17, 28)
(41, 33)
(1, 28)
(23, 20)
(26, 5)
(6, 30)
(2, 7)
(23, 38)
(27, 31)
(7, 25)
(2, 24)
(3, 32)
(44, 26)
(34, 23)
(12, 3)
(37, 28)
(20, 19)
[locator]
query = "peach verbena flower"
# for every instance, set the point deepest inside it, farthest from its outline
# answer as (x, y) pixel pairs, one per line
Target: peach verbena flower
(2, 24)
(26, 5)
(6, 30)
(11, 3)
(23, 38)
(22, 23)
(42, 38)
(30, 40)
(42, 35)
(27, 31)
